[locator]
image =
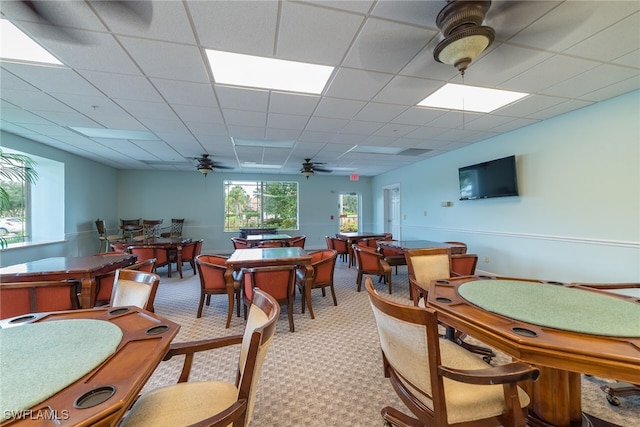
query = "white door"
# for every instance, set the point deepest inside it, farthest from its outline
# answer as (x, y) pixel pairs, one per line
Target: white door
(392, 211)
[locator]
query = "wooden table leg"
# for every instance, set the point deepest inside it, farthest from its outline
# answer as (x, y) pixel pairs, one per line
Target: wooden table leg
(556, 399)
(307, 287)
(87, 291)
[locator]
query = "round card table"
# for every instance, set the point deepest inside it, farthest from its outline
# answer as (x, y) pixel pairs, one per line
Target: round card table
(562, 330)
(78, 367)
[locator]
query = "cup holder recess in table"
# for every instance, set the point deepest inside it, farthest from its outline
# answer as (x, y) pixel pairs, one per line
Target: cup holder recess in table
(443, 299)
(524, 332)
(94, 397)
(442, 282)
(23, 319)
(156, 330)
(119, 310)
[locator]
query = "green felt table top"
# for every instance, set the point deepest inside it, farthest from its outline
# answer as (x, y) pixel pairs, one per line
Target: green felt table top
(555, 306)
(38, 360)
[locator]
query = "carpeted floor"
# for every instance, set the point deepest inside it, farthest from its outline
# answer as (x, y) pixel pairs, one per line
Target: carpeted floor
(329, 371)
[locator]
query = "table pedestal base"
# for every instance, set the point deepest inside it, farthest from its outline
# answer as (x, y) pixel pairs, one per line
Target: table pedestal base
(586, 421)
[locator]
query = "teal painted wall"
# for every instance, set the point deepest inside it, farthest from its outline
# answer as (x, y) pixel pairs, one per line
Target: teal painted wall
(578, 214)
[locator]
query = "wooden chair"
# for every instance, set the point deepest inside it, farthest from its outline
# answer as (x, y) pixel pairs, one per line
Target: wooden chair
(190, 251)
(460, 247)
(369, 261)
(278, 281)
(323, 263)
(104, 282)
(133, 287)
(297, 241)
(131, 227)
(18, 298)
(463, 264)
(425, 265)
(175, 229)
(150, 229)
(239, 243)
(393, 256)
(339, 245)
(441, 383)
(211, 269)
(146, 252)
(429, 264)
(213, 403)
(104, 237)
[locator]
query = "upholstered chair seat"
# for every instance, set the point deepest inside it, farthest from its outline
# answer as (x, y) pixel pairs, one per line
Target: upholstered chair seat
(440, 382)
(217, 403)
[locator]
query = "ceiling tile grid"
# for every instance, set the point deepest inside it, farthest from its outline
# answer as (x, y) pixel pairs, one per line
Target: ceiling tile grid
(147, 69)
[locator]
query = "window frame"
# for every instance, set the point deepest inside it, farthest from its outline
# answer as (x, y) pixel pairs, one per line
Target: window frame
(250, 188)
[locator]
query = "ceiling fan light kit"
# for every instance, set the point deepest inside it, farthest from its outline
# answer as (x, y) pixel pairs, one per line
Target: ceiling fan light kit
(464, 35)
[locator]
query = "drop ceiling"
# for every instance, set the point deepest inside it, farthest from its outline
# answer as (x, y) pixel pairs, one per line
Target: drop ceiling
(121, 74)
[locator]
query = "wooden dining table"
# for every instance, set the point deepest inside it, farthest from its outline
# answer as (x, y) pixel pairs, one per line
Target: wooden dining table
(84, 268)
(256, 239)
(78, 367)
(264, 257)
(563, 330)
(417, 244)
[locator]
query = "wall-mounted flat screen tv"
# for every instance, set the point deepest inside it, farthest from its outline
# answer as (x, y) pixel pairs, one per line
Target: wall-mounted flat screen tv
(495, 178)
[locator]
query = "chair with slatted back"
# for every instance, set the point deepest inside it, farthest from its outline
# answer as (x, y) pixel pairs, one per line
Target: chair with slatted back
(175, 229)
(211, 269)
(278, 281)
(18, 298)
(441, 383)
(213, 403)
(150, 229)
(133, 287)
(130, 228)
(105, 238)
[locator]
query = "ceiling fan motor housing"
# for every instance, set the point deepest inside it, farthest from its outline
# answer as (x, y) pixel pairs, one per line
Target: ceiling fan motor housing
(464, 35)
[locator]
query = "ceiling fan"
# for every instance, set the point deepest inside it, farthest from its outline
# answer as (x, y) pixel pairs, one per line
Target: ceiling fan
(206, 165)
(309, 168)
(460, 22)
(58, 15)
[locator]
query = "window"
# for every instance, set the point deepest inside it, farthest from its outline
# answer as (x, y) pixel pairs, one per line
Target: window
(260, 204)
(35, 210)
(349, 212)
(15, 198)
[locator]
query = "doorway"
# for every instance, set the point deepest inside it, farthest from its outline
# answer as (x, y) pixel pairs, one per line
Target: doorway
(392, 210)
(349, 211)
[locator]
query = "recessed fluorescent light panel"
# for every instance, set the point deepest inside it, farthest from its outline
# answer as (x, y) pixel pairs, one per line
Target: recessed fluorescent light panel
(17, 46)
(470, 98)
(266, 143)
(138, 135)
(376, 149)
(267, 73)
(249, 165)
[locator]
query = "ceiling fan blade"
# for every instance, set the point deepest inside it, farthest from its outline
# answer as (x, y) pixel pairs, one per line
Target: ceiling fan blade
(322, 170)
